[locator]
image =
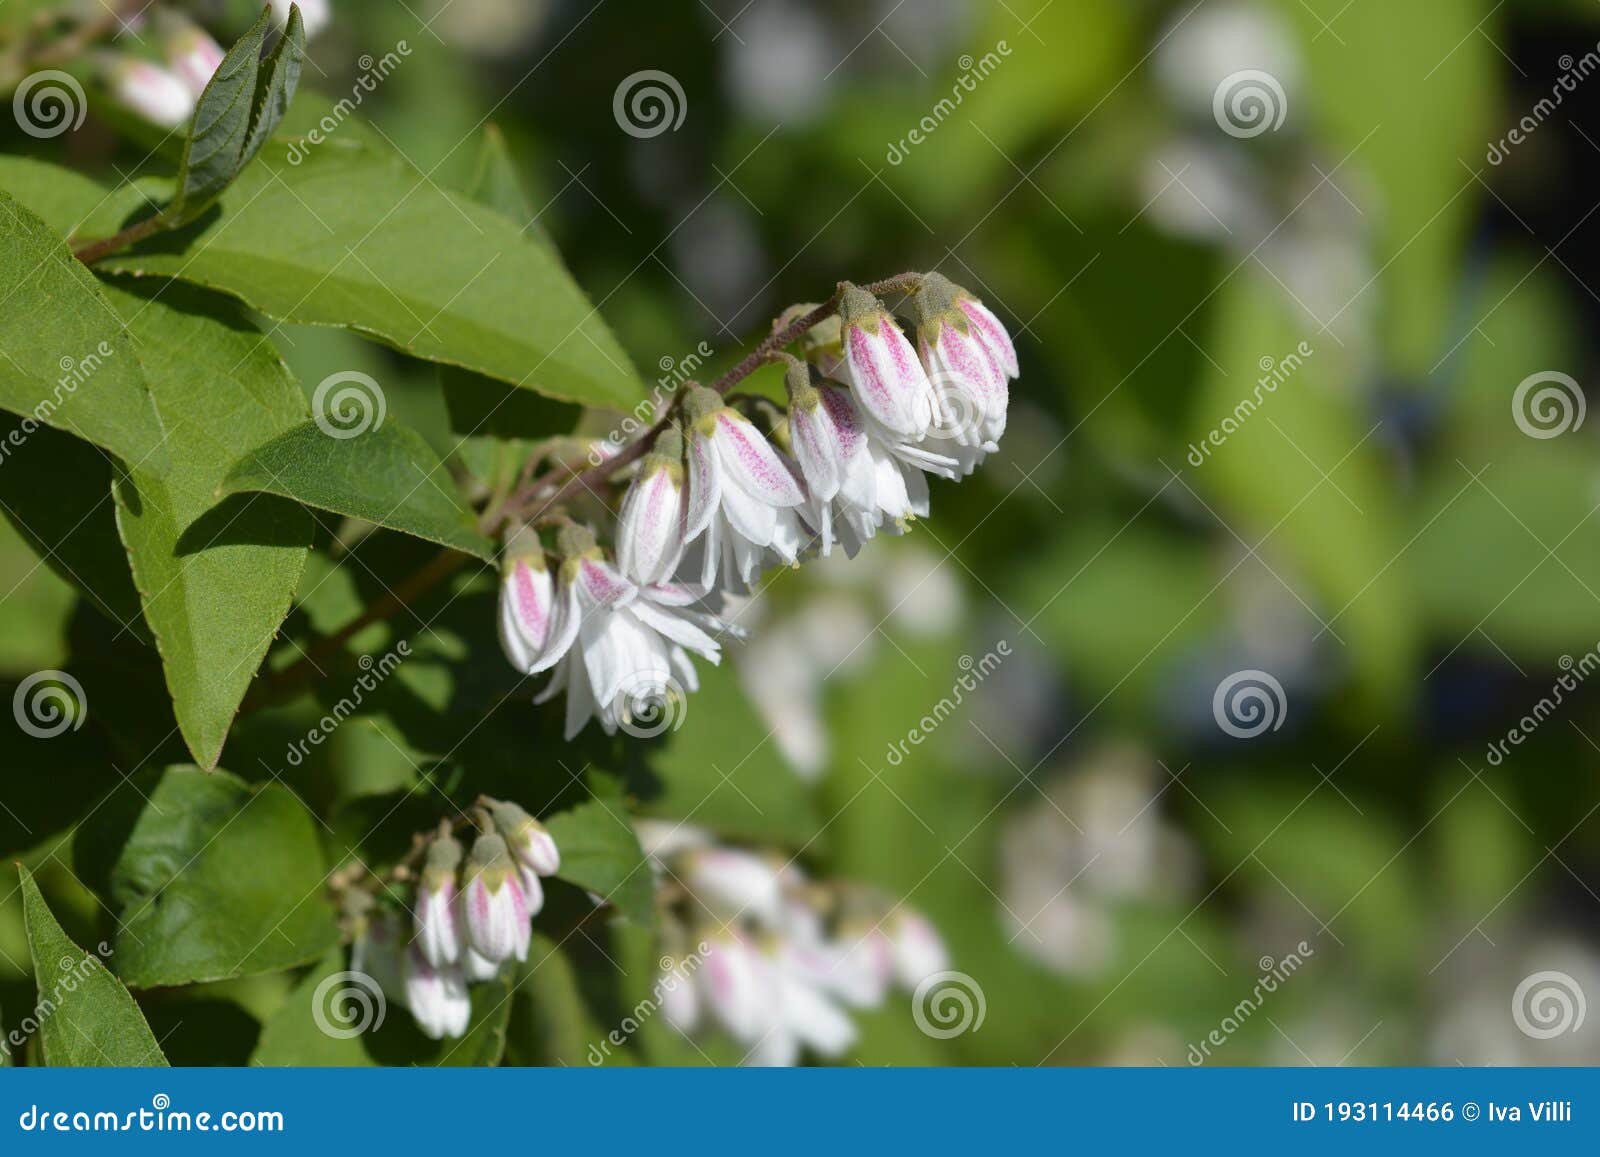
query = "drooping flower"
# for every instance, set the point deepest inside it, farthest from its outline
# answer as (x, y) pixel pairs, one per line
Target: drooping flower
(743, 499)
(889, 382)
(528, 839)
(150, 91)
(915, 946)
(620, 650)
(960, 343)
(437, 997)
(527, 601)
(680, 998)
(650, 527)
(735, 981)
(193, 56)
(828, 437)
(495, 906)
(476, 967)
(803, 1015)
(734, 883)
(437, 925)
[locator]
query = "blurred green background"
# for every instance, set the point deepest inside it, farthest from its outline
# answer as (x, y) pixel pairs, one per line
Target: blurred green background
(1405, 545)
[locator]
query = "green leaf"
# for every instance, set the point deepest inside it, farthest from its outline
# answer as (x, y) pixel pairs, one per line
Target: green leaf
(386, 475)
(215, 574)
(72, 204)
(601, 853)
(357, 237)
(244, 101)
(210, 878)
(67, 362)
(332, 996)
(91, 1020)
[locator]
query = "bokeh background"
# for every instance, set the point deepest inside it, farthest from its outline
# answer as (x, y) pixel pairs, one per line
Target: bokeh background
(1400, 541)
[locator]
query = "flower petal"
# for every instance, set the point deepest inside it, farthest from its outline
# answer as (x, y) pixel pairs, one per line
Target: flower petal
(750, 463)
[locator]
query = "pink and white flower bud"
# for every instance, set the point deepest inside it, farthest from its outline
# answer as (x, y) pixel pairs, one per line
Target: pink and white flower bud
(917, 949)
(494, 903)
(735, 883)
(991, 333)
(194, 57)
(743, 499)
(150, 91)
(527, 602)
(828, 435)
(437, 997)
(651, 525)
(437, 919)
(528, 840)
(967, 375)
(889, 382)
(862, 967)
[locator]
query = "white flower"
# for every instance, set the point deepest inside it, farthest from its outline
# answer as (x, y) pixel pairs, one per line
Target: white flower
(476, 967)
(969, 359)
(494, 904)
(828, 436)
(650, 527)
(890, 383)
(528, 840)
(622, 649)
(680, 999)
(916, 948)
(151, 91)
(527, 602)
(743, 499)
(194, 57)
(736, 982)
(734, 883)
(438, 931)
(861, 965)
(803, 1014)
(437, 997)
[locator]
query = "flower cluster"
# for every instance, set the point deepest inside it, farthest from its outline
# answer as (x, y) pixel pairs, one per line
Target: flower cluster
(166, 92)
(782, 958)
(730, 488)
(468, 919)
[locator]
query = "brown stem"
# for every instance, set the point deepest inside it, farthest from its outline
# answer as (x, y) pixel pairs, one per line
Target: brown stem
(138, 231)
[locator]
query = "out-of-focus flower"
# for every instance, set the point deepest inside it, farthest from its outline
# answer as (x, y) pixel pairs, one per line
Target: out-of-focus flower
(917, 949)
(193, 56)
(315, 13)
(149, 90)
(732, 882)
(437, 997)
(438, 931)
